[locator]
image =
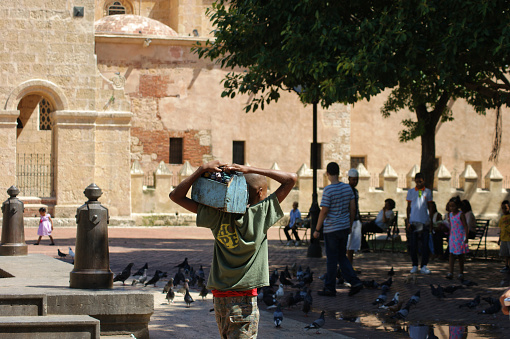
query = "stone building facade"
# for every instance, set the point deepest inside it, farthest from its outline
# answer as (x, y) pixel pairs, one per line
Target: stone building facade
(97, 88)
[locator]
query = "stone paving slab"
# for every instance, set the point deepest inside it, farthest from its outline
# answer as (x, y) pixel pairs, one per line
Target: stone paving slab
(165, 247)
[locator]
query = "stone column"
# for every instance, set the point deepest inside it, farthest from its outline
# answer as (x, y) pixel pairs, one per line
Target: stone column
(468, 181)
(8, 150)
(305, 186)
(494, 181)
(410, 176)
(388, 180)
(163, 183)
(136, 188)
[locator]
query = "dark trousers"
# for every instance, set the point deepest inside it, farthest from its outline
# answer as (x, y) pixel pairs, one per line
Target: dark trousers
(419, 241)
(336, 244)
(294, 231)
(367, 227)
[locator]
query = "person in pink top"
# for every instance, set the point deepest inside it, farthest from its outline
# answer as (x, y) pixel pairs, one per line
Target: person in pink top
(458, 240)
(45, 226)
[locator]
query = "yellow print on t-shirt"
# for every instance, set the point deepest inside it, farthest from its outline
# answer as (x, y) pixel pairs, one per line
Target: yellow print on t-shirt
(228, 236)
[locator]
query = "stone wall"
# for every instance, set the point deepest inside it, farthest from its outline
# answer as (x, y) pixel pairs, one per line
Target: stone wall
(152, 205)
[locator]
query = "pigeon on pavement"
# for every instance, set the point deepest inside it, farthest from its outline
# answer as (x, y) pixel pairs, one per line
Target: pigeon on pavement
(381, 299)
(437, 292)
(170, 295)
(203, 292)
(415, 298)
(278, 315)
(493, 308)
(472, 303)
(403, 312)
(157, 275)
(317, 324)
(280, 292)
(391, 272)
(71, 253)
(188, 299)
(201, 272)
(184, 265)
(168, 285)
(126, 272)
(392, 302)
(141, 270)
(142, 279)
(60, 254)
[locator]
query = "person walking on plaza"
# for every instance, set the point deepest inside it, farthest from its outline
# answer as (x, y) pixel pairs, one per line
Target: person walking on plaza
(45, 226)
(458, 240)
(504, 235)
(418, 223)
(240, 258)
(294, 220)
(338, 209)
(354, 240)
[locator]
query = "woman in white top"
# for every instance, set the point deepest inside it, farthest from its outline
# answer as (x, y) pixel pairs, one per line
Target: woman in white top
(470, 218)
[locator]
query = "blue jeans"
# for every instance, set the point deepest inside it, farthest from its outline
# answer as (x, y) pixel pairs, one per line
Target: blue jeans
(336, 243)
(419, 241)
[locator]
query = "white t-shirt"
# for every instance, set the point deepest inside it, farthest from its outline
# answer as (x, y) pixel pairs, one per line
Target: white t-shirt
(419, 205)
(379, 219)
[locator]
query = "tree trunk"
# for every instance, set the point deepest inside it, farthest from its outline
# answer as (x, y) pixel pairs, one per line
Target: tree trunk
(428, 155)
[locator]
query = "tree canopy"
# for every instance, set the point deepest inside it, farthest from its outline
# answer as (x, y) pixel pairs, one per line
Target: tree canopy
(427, 51)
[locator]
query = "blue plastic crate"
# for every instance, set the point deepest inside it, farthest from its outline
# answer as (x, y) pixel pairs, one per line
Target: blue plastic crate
(231, 197)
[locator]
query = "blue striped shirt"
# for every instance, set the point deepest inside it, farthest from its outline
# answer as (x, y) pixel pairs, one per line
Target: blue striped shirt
(337, 198)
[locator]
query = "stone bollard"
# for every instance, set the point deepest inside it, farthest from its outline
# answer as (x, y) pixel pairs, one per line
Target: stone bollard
(13, 228)
(92, 258)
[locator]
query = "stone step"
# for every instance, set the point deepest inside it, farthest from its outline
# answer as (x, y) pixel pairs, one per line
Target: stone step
(49, 327)
(14, 305)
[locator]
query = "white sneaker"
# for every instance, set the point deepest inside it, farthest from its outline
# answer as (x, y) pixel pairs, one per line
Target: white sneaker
(288, 243)
(414, 269)
(425, 270)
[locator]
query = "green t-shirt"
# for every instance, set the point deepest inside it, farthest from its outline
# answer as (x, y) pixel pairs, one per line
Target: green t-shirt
(240, 260)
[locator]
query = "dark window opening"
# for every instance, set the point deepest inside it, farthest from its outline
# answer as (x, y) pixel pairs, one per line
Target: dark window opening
(238, 152)
(175, 151)
(116, 8)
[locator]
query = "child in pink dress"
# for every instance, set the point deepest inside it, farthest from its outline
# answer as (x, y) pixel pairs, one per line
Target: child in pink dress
(45, 226)
(458, 240)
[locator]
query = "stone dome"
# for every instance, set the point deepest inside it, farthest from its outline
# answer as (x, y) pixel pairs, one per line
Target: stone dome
(132, 25)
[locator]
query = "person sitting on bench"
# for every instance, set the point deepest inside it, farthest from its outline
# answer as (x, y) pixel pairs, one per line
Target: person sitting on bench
(380, 224)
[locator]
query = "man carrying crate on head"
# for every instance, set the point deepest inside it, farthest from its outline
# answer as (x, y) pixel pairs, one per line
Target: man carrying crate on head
(240, 257)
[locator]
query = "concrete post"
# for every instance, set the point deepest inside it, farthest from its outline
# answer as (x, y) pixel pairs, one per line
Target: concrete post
(468, 181)
(136, 187)
(388, 180)
(92, 257)
(363, 180)
(163, 182)
(305, 185)
(410, 176)
(494, 180)
(185, 171)
(13, 228)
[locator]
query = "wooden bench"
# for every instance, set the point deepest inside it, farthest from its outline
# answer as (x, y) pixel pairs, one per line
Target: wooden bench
(482, 228)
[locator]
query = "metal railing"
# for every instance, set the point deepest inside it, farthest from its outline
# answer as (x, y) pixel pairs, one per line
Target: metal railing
(34, 175)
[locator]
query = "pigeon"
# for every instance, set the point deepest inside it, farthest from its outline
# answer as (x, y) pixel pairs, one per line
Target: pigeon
(269, 300)
(280, 292)
(415, 298)
(284, 280)
(184, 287)
(201, 272)
(188, 299)
(141, 270)
(370, 284)
(308, 278)
(493, 308)
(381, 299)
(306, 307)
(278, 315)
(471, 304)
(293, 270)
(393, 301)
(184, 265)
(126, 272)
(317, 324)
(71, 253)
(200, 281)
(491, 300)
(179, 277)
(154, 279)
(60, 254)
(203, 292)
(170, 295)
(290, 300)
(141, 280)
(169, 285)
(273, 278)
(287, 272)
(299, 273)
(387, 282)
(452, 288)
(391, 272)
(468, 283)
(403, 312)
(437, 291)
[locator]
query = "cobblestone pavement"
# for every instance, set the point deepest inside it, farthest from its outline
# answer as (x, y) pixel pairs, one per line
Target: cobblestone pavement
(165, 247)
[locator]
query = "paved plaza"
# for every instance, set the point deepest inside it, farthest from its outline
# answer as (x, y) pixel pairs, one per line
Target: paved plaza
(164, 247)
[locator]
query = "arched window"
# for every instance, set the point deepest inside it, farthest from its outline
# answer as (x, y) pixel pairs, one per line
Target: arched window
(44, 115)
(116, 8)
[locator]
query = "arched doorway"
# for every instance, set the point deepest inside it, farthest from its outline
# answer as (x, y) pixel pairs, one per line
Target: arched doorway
(35, 147)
